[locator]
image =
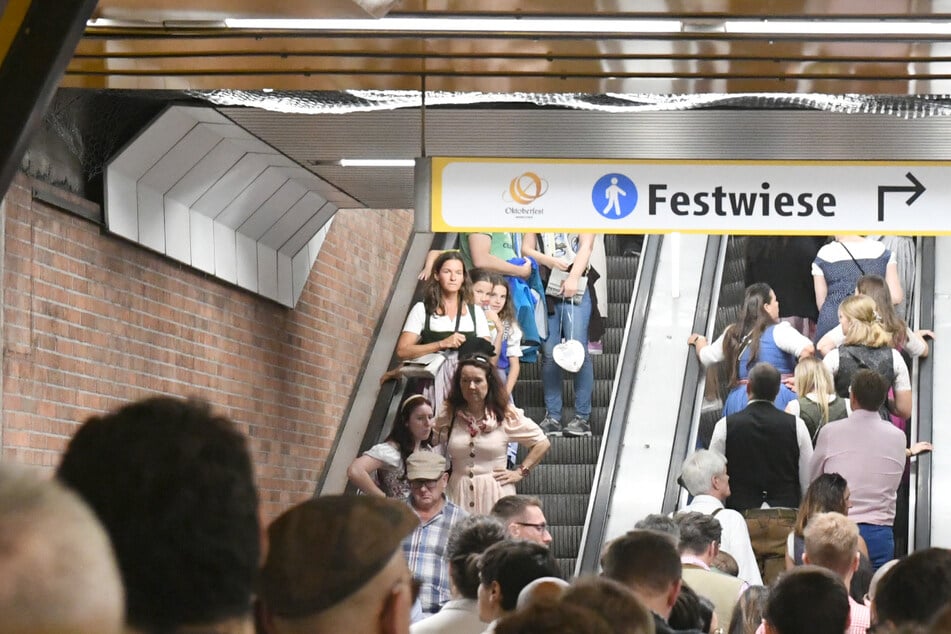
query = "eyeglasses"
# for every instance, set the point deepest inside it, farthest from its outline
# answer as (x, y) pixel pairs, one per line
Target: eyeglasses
(541, 528)
(419, 484)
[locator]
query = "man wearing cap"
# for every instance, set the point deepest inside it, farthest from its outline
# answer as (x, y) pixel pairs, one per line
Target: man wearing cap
(335, 565)
(425, 547)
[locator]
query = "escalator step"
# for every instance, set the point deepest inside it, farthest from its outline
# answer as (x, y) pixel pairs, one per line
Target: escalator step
(620, 289)
(566, 540)
(736, 248)
(612, 339)
(573, 450)
(531, 393)
(726, 315)
(564, 478)
(735, 271)
(617, 313)
(564, 509)
(567, 566)
(598, 415)
(620, 266)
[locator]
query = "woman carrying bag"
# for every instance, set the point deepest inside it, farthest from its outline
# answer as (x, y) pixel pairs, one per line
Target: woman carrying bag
(566, 256)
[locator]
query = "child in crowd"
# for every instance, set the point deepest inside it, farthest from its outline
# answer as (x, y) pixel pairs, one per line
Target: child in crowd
(482, 285)
(817, 402)
(511, 339)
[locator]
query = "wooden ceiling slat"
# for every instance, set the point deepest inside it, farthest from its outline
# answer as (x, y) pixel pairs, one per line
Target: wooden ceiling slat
(207, 58)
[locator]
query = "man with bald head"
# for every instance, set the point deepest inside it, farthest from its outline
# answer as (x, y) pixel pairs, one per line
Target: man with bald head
(57, 571)
(335, 564)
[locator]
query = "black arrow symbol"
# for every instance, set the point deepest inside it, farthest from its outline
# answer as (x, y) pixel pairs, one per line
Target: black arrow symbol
(915, 187)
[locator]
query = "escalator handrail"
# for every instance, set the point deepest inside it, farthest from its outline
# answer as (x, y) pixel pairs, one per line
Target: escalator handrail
(688, 417)
(391, 392)
(595, 526)
(924, 298)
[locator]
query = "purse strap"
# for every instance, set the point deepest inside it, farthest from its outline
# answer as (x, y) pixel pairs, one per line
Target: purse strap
(567, 313)
(861, 270)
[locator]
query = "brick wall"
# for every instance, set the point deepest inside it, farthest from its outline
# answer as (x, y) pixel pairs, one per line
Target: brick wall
(92, 321)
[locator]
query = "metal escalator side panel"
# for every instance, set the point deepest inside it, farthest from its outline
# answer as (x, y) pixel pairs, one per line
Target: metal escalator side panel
(688, 418)
(924, 514)
(595, 524)
(371, 406)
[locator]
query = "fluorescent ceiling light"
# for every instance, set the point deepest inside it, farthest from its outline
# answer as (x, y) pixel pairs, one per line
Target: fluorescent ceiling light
(566, 26)
(465, 25)
(836, 27)
(377, 162)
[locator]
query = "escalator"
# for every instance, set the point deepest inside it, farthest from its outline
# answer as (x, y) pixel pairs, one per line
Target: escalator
(564, 479)
(913, 522)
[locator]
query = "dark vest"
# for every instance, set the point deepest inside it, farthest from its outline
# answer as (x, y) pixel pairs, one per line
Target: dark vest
(763, 456)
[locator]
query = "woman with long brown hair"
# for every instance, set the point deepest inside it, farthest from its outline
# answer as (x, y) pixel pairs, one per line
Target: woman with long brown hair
(476, 425)
(445, 319)
(904, 339)
(381, 470)
(756, 336)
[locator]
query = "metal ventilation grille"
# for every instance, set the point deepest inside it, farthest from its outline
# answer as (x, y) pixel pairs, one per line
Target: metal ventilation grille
(563, 133)
(907, 107)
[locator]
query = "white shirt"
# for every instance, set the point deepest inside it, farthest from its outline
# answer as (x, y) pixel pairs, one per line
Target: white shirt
(718, 443)
(735, 538)
(787, 339)
(443, 323)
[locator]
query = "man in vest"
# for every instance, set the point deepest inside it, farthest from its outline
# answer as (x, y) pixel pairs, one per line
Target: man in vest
(768, 452)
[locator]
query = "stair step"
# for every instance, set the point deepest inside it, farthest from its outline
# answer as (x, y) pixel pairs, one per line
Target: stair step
(620, 266)
(531, 392)
(620, 289)
(573, 450)
(564, 509)
(617, 313)
(566, 541)
(565, 478)
(598, 415)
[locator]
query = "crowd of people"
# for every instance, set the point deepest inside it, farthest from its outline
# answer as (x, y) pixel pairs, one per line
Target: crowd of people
(152, 521)
(151, 524)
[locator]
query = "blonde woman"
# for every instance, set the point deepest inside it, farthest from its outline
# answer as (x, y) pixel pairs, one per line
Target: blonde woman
(817, 403)
(868, 345)
(911, 342)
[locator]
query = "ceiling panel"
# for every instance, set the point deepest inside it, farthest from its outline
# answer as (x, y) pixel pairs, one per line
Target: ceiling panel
(185, 45)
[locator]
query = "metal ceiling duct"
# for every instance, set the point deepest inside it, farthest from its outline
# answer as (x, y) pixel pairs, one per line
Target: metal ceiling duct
(204, 191)
(324, 102)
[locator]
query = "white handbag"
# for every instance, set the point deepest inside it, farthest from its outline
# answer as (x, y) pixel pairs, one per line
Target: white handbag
(569, 354)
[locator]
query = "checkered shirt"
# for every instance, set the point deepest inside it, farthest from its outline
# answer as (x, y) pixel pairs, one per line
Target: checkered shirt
(425, 551)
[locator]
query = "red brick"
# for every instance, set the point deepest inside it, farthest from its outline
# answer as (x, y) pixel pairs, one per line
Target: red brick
(92, 322)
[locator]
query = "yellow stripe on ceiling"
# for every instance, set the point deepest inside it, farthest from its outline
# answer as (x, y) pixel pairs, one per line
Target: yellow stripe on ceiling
(10, 22)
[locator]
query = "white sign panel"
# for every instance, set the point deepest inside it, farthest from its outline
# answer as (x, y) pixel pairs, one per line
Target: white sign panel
(734, 197)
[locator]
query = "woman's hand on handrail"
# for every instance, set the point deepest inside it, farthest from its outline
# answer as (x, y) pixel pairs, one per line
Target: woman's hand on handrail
(698, 341)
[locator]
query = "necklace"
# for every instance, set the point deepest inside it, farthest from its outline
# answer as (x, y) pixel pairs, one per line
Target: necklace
(474, 425)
